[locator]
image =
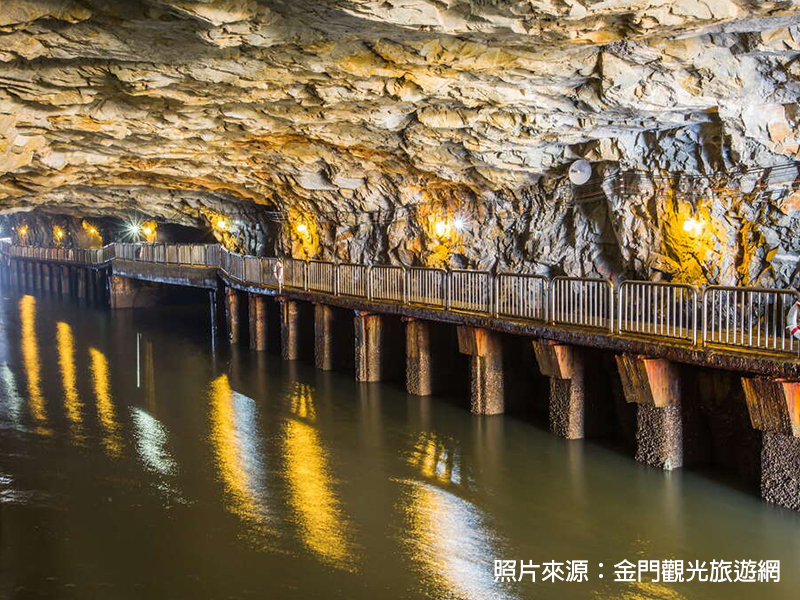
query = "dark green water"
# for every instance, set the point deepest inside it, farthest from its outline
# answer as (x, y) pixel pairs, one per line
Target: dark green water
(169, 473)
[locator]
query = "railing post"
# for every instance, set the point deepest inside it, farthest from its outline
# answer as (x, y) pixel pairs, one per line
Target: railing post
(405, 285)
(611, 306)
(305, 275)
(704, 301)
(369, 282)
(494, 297)
(448, 289)
(551, 288)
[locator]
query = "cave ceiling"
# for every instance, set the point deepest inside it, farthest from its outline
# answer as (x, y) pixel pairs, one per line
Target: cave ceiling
(358, 106)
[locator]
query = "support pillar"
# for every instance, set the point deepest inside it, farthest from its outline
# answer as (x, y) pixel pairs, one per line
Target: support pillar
(122, 291)
(654, 385)
(418, 357)
(46, 277)
(66, 289)
(15, 274)
(232, 314)
(564, 365)
(80, 284)
(774, 408)
(257, 319)
(368, 334)
(91, 286)
(323, 337)
(486, 369)
(35, 277)
(290, 330)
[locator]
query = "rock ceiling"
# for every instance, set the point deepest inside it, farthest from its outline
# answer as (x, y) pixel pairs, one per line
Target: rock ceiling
(347, 107)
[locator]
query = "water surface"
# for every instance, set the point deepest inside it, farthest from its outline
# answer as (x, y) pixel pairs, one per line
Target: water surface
(136, 464)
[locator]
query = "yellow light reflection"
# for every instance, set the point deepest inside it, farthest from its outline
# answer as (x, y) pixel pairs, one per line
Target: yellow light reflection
(30, 358)
(66, 363)
(234, 460)
(105, 404)
(322, 525)
(435, 460)
(450, 544)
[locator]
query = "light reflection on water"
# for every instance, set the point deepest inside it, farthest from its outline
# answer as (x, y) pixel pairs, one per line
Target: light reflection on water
(30, 357)
(238, 454)
(274, 480)
(112, 441)
(66, 363)
(323, 527)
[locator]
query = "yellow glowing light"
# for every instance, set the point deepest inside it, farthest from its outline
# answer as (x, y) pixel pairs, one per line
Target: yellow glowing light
(442, 228)
(92, 230)
(30, 359)
(105, 406)
(222, 224)
(23, 230)
(66, 362)
(147, 230)
(59, 233)
(692, 226)
(302, 228)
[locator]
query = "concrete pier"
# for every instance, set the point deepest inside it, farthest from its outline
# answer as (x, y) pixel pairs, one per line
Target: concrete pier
(232, 314)
(44, 274)
(257, 319)
(774, 408)
(486, 369)
(654, 386)
(323, 337)
(564, 366)
(80, 280)
(418, 357)
(290, 330)
(65, 281)
(368, 338)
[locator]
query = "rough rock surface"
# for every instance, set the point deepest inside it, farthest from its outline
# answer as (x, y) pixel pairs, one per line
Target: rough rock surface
(371, 120)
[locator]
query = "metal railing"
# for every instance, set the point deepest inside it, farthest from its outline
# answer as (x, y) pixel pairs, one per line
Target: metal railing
(469, 291)
(521, 296)
(582, 301)
(751, 319)
(656, 308)
(748, 317)
(426, 287)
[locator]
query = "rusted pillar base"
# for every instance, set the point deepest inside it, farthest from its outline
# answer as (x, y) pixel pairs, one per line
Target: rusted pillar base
(774, 408)
(323, 337)
(257, 318)
(290, 330)
(232, 314)
(64, 281)
(418, 358)
(654, 385)
(368, 338)
(486, 369)
(564, 365)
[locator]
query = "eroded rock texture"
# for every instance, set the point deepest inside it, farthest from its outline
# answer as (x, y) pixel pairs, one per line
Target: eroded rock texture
(369, 121)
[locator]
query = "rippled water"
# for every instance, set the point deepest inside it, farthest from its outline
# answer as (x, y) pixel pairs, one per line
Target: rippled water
(134, 464)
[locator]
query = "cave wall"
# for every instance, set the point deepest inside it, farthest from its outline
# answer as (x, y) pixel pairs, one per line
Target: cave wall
(370, 122)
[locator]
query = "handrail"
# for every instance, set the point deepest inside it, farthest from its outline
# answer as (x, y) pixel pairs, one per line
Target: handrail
(746, 318)
(657, 308)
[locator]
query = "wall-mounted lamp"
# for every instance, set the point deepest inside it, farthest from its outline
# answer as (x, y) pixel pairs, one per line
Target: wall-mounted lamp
(442, 228)
(693, 226)
(459, 224)
(221, 224)
(302, 228)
